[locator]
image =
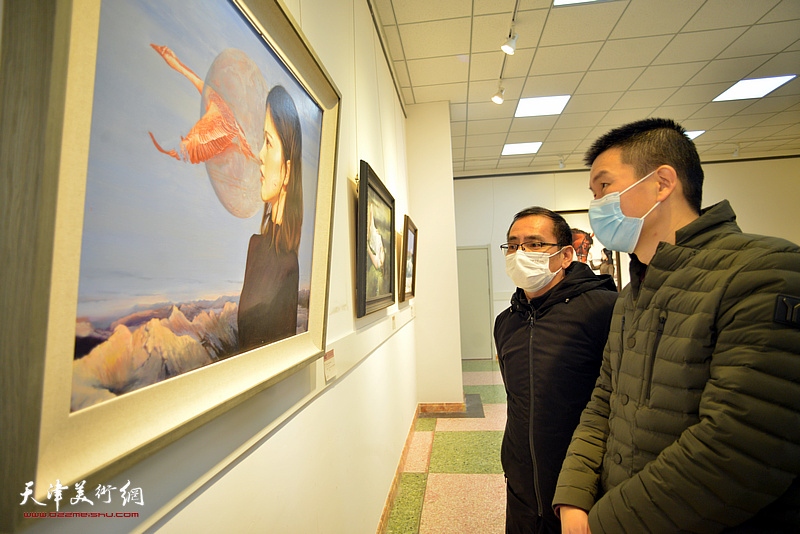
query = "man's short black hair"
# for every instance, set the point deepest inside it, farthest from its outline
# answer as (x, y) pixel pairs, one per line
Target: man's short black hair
(650, 143)
(560, 227)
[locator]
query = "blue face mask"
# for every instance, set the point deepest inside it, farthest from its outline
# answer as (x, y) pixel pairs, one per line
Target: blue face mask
(615, 230)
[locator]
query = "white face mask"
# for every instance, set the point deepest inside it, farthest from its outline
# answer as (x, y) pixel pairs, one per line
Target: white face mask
(530, 270)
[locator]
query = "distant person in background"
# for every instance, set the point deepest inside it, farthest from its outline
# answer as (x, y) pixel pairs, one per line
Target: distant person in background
(607, 262)
(694, 425)
(581, 241)
(549, 346)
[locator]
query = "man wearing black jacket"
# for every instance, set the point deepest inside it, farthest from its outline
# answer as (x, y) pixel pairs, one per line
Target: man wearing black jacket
(549, 345)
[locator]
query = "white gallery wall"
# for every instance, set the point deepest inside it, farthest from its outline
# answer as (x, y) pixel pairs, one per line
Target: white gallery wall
(306, 455)
(764, 194)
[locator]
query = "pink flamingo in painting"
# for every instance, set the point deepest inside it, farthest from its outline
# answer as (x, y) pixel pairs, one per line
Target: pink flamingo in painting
(217, 129)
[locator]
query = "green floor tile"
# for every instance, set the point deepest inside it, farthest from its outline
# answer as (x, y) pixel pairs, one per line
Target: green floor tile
(489, 394)
(480, 365)
(425, 424)
(407, 507)
(466, 453)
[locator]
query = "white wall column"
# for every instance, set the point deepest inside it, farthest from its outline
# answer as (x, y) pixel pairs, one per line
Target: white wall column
(430, 184)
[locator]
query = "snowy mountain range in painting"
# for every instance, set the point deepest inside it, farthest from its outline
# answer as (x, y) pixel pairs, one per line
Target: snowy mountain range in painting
(151, 345)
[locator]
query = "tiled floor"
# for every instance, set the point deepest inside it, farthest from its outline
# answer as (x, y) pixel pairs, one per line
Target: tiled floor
(452, 480)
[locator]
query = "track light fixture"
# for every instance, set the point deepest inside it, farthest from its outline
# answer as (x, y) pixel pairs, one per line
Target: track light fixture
(561, 162)
(499, 96)
(736, 151)
(510, 46)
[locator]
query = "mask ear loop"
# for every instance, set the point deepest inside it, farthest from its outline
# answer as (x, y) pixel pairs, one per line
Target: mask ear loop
(651, 209)
(574, 252)
(559, 252)
(637, 182)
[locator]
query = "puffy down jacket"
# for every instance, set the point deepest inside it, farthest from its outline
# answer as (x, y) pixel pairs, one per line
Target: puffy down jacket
(694, 423)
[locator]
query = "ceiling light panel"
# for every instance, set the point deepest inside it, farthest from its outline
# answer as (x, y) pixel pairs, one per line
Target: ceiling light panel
(557, 3)
(515, 149)
(541, 105)
(755, 88)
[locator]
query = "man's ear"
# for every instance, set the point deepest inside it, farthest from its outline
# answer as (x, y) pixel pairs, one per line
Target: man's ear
(667, 180)
(569, 255)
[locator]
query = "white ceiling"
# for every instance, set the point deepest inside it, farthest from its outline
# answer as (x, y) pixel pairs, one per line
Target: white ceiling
(621, 60)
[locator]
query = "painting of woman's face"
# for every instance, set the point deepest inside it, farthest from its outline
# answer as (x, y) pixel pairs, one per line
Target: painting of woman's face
(135, 191)
(273, 170)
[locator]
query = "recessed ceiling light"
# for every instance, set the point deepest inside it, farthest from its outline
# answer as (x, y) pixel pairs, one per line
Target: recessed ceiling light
(755, 88)
(541, 105)
(515, 149)
(695, 133)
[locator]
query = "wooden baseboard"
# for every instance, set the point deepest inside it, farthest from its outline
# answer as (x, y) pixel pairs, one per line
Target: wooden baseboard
(443, 407)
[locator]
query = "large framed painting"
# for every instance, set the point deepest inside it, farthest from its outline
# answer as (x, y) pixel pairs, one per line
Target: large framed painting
(192, 202)
(408, 261)
(375, 244)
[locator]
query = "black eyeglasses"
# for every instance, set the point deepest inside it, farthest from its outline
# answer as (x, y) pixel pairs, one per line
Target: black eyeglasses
(531, 246)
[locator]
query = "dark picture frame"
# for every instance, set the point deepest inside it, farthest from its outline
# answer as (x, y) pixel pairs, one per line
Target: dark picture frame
(375, 244)
(407, 282)
(42, 438)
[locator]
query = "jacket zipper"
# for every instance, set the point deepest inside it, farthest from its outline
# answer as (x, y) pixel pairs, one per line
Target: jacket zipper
(532, 321)
(662, 319)
(621, 351)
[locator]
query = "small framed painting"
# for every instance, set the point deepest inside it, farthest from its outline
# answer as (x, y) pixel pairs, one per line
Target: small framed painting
(375, 244)
(408, 261)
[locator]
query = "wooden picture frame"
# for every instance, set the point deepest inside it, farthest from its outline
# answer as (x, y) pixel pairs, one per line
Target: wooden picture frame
(375, 244)
(408, 261)
(54, 54)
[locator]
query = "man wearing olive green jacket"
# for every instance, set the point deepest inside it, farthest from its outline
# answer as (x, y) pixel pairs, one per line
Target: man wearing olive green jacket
(694, 423)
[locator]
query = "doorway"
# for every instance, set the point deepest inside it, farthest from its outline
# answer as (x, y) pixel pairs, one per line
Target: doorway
(475, 303)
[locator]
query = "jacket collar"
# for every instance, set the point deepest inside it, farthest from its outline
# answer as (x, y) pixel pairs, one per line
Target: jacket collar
(697, 232)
